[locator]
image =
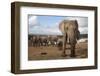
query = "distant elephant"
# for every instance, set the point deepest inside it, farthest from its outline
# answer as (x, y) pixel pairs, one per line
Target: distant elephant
(69, 29)
(54, 41)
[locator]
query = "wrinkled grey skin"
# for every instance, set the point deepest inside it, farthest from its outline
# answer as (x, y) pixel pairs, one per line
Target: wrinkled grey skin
(69, 29)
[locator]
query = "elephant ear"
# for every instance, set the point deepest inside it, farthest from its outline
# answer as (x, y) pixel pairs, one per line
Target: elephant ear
(61, 26)
(76, 23)
(78, 35)
(78, 32)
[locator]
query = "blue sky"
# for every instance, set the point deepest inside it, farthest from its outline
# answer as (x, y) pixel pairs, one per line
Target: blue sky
(49, 25)
(49, 20)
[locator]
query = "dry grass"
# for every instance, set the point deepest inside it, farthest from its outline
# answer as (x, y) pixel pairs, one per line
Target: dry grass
(50, 52)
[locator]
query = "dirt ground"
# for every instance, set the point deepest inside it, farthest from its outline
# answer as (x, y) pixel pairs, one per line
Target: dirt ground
(50, 52)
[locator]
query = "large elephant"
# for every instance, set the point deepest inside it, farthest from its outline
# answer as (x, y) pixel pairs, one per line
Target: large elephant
(69, 29)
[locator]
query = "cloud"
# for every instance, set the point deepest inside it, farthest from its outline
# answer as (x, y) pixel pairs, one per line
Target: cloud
(36, 28)
(32, 21)
(45, 31)
(83, 30)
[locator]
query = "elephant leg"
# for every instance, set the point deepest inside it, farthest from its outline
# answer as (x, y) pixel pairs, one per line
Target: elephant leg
(64, 44)
(73, 50)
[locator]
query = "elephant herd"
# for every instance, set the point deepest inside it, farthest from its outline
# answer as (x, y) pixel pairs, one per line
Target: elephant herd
(37, 41)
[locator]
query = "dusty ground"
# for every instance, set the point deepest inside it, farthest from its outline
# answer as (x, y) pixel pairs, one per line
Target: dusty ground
(50, 52)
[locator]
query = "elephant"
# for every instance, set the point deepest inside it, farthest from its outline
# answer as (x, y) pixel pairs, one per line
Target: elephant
(59, 44)
(54, 41)
(69, 29)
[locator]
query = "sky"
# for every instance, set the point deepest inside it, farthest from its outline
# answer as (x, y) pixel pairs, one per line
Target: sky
(49, 25)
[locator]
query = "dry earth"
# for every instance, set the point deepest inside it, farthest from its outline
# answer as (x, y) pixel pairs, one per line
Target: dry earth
(50, 52)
